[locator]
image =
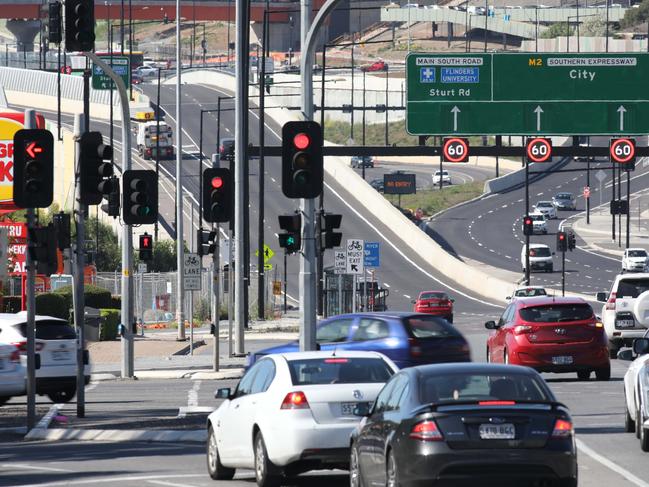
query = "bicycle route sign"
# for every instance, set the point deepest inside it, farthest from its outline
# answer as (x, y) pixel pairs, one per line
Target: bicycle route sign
(527, 93)
(192, 273)
(355, 256)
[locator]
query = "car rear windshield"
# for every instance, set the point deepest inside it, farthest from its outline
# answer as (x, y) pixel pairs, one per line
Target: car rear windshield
(51, 330)
(564, 196)
(637, 253)
(482, 387)
(537, 218)
(556, 313)
(339, 370)
(632, 288)
(429, 327)
(530, 292)
(540, 252)
(433, 296)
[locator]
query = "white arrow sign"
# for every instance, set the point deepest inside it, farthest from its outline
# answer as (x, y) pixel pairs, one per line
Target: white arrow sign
(621, 110)
(538, 110)
(455, 110)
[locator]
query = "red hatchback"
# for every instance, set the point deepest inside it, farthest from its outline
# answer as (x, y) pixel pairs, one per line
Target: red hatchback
(435, 303)
(550, 334)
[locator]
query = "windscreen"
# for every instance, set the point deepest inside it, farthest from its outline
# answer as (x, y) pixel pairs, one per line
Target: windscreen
(544, 203)
(556, 313)
(433, 296)
(483, 387)
(339, 370)
(637, 253)
(51, 330)
(564, 196)
(632, 288)
(540, 252)
(429, 327)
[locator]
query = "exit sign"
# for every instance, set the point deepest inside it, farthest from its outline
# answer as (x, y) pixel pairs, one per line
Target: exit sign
(527, 93)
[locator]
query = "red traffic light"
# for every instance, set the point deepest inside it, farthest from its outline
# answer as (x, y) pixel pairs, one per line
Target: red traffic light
(32, 149)
(301, 141)
(528, 221)
(217, 182)
(562, 236)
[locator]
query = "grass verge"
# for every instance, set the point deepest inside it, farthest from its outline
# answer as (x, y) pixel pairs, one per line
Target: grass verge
(432, 201)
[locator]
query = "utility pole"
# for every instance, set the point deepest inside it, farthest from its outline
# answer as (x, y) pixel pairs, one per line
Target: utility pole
(216, 281)
(242, 23)
(261, 271)
(157, 148)
(180, 244)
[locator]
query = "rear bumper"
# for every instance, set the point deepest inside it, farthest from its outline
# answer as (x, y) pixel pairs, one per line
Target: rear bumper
(435, 311)
(12, 383)
(584, 356)
(625, 337)
(443, 466)
(541, 265)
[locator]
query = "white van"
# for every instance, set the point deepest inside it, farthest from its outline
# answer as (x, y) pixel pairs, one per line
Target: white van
(540, 258)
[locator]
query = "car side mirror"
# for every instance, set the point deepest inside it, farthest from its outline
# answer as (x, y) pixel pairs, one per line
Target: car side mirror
(452, 300)
(508, 298)
(554, 253)
(491, 325)
(413, 301)
(362, 409)
(223, 393)
(601, 297)
(626, 355)
(641, 346)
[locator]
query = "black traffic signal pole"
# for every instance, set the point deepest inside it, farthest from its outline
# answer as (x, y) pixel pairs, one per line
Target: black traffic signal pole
(613, 198)
(628, 213)
(157, 144)
(563, 273)
(319, 255)
(527, 212)
(86, 99)
(261, 72)
(619, 215)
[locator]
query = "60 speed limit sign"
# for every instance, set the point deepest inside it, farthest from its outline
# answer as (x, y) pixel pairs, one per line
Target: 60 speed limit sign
(455, 149)
(538, 149)
(623, 151)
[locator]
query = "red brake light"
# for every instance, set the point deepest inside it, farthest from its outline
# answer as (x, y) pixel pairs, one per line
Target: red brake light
(336, 361)
(415, 348)
(15, 356)
(295, 400)
(22, 346)
(610, 304)
(301, 141)
(562, 429)
(496, 403)
(426, 431)
(524, 329)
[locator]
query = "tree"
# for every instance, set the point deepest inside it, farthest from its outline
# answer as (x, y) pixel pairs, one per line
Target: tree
(593, 27)
(164, 256)
(109, 254)
(560, 29)
(635, 16)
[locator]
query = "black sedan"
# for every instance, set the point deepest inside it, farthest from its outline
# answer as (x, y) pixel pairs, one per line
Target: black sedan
(464, 425)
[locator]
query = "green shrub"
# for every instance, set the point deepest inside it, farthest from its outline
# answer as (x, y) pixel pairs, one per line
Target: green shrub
(11, 304)
(115, 301)
(94, 297)
(110, 321)
(52, 304)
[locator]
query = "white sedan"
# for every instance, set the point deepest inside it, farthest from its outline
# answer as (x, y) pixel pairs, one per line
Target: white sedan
(636, 392)
(293, 412)
(12, 373)
(443, 175)
(547, 208)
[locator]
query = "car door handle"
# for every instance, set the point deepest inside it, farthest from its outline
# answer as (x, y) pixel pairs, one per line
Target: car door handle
(236, 406)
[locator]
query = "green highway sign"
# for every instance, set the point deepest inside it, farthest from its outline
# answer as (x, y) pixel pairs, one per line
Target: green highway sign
(120, 64)
(527, 93)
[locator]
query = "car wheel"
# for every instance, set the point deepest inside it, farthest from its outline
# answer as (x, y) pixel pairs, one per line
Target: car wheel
(612, 351)
(265, 472)
(583, 374)
(488, 356)
(449, 318)
(64, 395)
(603, 373)
(569, 482)
(638, 423)
(505, 357)
(4, 399)
(629, 422)
(391, 473)
(644, 439)
(355, 477)
(214, 467)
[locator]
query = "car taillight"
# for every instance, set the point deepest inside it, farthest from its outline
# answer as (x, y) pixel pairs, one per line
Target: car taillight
(295, 400)
(610, 304)
(148, 151)
(15, 356)
(426, 431)
(496, 403)
(22, 346)
(524, 329)
(562, 429)
(415, 348)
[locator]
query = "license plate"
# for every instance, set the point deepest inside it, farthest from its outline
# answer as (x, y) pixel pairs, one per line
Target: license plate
(505, 431)
(60, 355)
(347, 408)
(625, 323)
(562, 360)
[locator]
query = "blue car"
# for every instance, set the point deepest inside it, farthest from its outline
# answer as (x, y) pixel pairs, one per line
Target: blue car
(407, 338)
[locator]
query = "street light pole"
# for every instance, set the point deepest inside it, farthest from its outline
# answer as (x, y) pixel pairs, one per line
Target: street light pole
(180, 247)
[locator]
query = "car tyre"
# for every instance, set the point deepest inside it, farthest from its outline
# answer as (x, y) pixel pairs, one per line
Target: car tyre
(644, 439)
(612, 351)
(488, 356)
(265, 472)
(214, 466)
(4, 399)
(63, 395)
(569, 482)
(391, 472)
(449, 318)
(355, 477)
(638, 423)
(629, 422)
(583, 374)
(603, 373)
(505, 357)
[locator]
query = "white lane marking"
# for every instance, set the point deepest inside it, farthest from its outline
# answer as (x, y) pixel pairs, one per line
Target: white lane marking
(405, 257)
(192, 399)
(386, 284)
(34, 467)
(170, 484)
(610, 465)
(115, 480)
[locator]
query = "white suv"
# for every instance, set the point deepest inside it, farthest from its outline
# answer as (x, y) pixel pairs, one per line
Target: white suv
(56, 343)
(618, 314)
(540, 258)
(444, 175)
(634, 260)
(539, 223)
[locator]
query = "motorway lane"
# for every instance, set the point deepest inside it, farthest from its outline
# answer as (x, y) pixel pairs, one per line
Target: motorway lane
(489, 230)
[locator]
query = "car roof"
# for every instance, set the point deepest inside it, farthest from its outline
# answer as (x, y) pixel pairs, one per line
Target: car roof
(289, 356)
(543, 201)
(635, 248)
(383, 314)
(563, 193)
(529, 287)
(469, 368)
(433, 291)
(537, 246)
(545, 300)
(21, 317)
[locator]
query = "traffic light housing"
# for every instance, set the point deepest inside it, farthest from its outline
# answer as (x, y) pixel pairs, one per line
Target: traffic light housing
(113, 205)
(146, 247)
(206, 241)
(41, 245)
(61, 223)
(572, 240)
(291, 241)
(562, 241)
(33, 184)
(54, 23)
(302, 161)
(528, 225)
(140, 197)
(328, 223)
(79, 25)
(95, 168)
(217, 195)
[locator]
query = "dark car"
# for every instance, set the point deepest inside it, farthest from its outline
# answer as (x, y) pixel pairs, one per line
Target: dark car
(406, 338)
(136, 79)
(362, 161)
(226, 149)
(378, 184)
(564, 201)
(464, 425)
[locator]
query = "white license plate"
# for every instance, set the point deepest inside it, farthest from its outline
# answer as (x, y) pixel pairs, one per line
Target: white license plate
(562, 360)
(347, 408)
(60, 355)
(625, 323)
(505, 431)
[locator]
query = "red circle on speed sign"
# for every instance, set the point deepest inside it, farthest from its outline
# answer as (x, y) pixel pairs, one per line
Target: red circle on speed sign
(586, 191)
(539, 149)
(622, 150)
(455, 149)
(66, 69)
